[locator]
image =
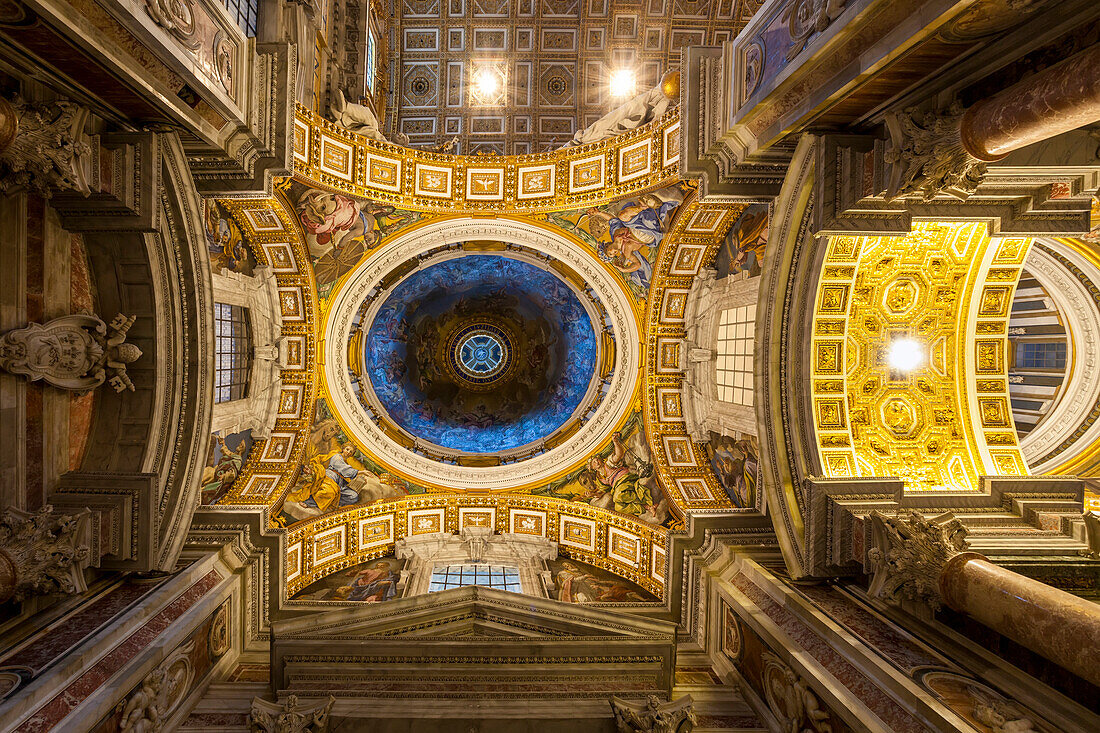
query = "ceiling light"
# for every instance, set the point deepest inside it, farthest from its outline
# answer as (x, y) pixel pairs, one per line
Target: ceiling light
(487, 83)
(621, 83)
(905, 354)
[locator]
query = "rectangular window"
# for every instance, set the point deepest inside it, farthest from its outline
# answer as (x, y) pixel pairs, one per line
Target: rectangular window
(232, 352)
(244, 12)
(1040, 355)
(502, 577)
(369, 63)
(736, 331)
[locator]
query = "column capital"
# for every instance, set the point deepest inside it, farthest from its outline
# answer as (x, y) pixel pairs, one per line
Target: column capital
(909, 554)
(927, 157)
(47, 148)
(290, 716)
(654, 716)
(41, 553)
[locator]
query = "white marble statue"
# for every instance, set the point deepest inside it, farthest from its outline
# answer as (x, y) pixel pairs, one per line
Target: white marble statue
(359, 118)
(645, 107)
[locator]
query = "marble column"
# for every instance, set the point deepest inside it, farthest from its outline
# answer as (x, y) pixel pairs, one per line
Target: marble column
(9, 124)
(925, 560)
(1058, 99)
(41, 553)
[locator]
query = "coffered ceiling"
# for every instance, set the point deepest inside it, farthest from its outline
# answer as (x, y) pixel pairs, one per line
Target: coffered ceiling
(556, 57)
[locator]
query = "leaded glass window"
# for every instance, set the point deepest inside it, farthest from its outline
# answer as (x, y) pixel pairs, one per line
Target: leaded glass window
(502, 577)
(232, 352)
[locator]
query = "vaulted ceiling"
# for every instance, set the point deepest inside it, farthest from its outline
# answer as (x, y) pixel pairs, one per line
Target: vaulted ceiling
(556, 56)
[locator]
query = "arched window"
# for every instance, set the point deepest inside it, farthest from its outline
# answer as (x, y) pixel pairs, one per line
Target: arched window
(736, 331)
(244, 12)
(232, 352)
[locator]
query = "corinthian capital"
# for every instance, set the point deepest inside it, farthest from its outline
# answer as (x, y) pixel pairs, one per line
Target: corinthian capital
(41, 553)
(927, 157)
(47, 149)
(909, 553)
(290, 716)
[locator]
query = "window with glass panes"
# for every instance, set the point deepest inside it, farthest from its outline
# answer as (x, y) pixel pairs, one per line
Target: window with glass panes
(1041, 355)
(369, 69)
(736, 329)
(502, 577)
(232, 352)
(244, 12)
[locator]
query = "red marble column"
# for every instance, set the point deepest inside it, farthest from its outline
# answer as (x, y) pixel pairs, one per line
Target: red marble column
(1055, 100)
(1058, 625)
(9, 124)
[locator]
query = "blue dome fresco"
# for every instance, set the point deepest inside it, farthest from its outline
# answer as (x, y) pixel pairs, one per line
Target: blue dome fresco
(480, 354)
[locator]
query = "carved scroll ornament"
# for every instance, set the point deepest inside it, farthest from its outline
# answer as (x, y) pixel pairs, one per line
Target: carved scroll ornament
(45, 149)
(791, 700)
(42, 554)
(909, 554)
(927, 158)
(290, 716)
(654, 716)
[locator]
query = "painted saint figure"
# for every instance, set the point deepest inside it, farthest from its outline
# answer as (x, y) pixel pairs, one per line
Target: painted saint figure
(628, 495)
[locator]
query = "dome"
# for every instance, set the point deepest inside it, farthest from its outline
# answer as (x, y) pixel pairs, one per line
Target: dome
(480, 354)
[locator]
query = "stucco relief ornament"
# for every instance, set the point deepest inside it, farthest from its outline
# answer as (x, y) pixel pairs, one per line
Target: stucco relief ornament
(909, 553)
(175, 16)
(807, 17)
(654, 716)
(149, 708)
(791, 700)
(360, 119)
(632, 114)
(927, 158)
(289, 716)
(75, 352)
(42, 554)
(45, 149)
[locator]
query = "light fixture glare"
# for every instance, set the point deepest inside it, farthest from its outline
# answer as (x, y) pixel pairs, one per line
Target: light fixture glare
(621, 83)
(905, 354)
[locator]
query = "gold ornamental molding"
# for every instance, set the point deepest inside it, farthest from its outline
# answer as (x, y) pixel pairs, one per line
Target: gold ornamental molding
(633, 550)
(329, 156)
(681, 464)
(273, 235)
(948, 287)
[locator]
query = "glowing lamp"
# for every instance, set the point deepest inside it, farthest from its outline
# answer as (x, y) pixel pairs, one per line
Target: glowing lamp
(905, 354)
(621, 83)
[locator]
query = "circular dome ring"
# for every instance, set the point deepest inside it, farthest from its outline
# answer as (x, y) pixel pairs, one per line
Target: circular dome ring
(345, 306)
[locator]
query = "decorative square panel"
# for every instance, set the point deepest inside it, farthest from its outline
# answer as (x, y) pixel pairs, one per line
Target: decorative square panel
(426, 521)
(687, 259)
(670, 404)
(452, 125)
(989, 356)
(477, 517)
(261, 485)
(487, 125)
(294, 347)
(586, 174)
(280, 256)
(658, 559)
(485, 184)
(490, 39)
(433, 180)
(293, 561)
(525, 39)
(536, 181)
(623, 546)
(674, 305)
(653, 38)
(705, 221)
(559, 40)
(421, 40)
(330, 544)
(291, 304)
(670, 353)
(694, 489)
(527, 521)
(595, 39)
(597, 8)
(383, 172)
(301, 140)
(278, 447)
(634, 160)
(577, 532)
(625, 28)
(336, 157)
(678, 450)
(375, 531)
(670, 148)
(420, 85)
(291, 397)
(456, 39)
(521, 124)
